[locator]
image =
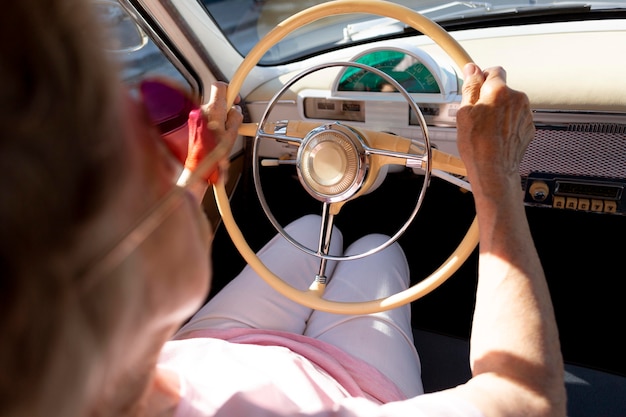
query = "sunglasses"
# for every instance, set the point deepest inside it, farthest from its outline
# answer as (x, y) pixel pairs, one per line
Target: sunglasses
(168, 107)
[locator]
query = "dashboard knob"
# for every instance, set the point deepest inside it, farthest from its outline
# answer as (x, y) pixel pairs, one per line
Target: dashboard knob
(539, 190)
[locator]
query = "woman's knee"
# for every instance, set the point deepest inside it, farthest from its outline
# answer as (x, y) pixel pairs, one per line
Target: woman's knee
(306, 231)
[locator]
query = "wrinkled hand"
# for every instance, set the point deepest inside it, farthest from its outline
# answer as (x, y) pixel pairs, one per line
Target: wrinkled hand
(211, 124)
(494, 126)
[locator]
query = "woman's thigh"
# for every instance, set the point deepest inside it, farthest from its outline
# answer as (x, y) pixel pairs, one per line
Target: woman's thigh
(248, 301)
(385, 339)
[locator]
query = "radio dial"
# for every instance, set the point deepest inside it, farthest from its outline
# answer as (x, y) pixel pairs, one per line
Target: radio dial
(539, 190)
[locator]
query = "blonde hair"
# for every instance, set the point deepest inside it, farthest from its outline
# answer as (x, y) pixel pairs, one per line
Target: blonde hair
(60, 155)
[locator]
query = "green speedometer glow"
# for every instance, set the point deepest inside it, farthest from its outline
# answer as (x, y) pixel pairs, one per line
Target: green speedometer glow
(404, 68)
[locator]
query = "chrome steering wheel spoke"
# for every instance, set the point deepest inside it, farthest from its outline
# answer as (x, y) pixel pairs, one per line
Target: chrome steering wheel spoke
(323, 248)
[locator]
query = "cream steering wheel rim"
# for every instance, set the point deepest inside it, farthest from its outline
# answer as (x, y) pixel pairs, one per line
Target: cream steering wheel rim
(312, 297)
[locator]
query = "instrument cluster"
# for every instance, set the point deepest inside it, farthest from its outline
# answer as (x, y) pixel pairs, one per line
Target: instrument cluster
(362, 96)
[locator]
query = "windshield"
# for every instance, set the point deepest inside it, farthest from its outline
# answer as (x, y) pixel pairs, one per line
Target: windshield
(245, 22)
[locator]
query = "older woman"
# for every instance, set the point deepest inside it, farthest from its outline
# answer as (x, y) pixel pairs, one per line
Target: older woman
(104, 258)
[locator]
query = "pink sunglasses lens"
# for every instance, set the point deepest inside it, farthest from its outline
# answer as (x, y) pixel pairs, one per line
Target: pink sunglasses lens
(167, 107)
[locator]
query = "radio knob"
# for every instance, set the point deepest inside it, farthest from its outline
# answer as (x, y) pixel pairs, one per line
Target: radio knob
(539, 190)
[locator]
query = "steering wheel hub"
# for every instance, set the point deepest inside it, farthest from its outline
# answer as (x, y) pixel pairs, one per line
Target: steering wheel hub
(332, 163)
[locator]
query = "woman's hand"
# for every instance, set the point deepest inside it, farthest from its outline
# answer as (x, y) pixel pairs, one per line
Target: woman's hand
(495, 126)
(210, 125)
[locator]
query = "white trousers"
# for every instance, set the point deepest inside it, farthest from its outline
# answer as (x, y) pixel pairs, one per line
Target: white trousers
(384, 340)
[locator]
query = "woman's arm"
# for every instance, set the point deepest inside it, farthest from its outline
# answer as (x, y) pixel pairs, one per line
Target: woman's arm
(515, 353)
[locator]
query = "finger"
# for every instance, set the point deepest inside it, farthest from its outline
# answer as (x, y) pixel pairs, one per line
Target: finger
(495, 73)
(215, 110)
(234, 118)
(217, 98)
(473, 81)
(216, 92)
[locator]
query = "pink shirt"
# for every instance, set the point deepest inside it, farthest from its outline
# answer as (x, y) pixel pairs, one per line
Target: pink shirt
(238, 372)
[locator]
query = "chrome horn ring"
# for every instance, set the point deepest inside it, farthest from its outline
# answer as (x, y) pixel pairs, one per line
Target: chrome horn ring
(279, 133)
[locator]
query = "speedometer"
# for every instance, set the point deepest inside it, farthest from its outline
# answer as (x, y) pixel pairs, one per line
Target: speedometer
(404, 68)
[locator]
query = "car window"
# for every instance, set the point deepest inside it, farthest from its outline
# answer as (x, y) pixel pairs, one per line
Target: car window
(136, 53)
(149, 61)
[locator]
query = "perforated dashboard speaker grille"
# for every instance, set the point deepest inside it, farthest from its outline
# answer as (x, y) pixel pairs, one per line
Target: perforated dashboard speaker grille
(593, 150)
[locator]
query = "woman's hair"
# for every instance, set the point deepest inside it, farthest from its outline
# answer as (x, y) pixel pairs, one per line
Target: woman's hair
(60, 155)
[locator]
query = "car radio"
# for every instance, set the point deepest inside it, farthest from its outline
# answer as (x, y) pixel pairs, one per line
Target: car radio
(591, 194)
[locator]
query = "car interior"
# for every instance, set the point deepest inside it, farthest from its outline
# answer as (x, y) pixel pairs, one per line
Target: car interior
(316, 77)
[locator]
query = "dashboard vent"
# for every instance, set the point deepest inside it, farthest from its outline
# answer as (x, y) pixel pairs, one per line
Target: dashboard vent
(615, 128)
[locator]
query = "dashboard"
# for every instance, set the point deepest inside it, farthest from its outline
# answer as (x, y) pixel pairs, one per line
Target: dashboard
(575, 91)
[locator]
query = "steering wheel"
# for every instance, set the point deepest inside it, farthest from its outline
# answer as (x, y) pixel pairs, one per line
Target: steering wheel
(386, 143)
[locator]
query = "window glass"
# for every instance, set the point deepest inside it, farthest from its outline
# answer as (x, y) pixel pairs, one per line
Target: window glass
(139, 57)
(148, 61)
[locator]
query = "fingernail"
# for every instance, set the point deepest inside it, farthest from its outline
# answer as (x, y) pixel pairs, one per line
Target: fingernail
(470, 69)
